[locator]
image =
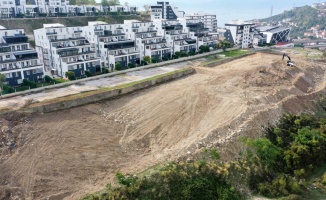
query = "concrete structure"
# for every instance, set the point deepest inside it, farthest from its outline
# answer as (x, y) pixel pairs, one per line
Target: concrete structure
(274, 34)
(63, 49)
(242, 33)
(17, 60)
(164, 10)
(209, 20)
(7, 8)
(177, 35)
(112, 44)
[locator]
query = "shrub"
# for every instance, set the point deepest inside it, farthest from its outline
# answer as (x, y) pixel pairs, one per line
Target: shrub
(105, 70)
(48, 79)
(165, 58)
(131, 65)
(29, 83)
(88, 73)
(143, 63)
(70, 75)
(118, 66)
(154, 60)
(147, 59)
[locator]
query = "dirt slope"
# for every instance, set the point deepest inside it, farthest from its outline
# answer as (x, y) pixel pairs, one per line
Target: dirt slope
(69, 153)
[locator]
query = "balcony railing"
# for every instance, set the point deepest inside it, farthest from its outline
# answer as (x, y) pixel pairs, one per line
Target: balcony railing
(51, 33)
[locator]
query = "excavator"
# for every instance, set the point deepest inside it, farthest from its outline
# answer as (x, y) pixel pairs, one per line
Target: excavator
(289, 62)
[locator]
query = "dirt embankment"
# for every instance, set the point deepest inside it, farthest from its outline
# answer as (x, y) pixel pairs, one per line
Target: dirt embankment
(66, 154)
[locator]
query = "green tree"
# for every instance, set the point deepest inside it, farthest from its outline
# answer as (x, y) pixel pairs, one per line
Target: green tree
(104, 2)
(147, 59)
(2, 79)
(114, 2)
(72, 2)
(118, 66)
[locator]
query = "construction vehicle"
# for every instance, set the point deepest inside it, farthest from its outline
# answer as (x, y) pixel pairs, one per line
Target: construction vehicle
(289, 62)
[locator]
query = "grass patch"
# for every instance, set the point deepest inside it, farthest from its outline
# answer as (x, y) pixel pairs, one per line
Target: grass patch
(228, 54)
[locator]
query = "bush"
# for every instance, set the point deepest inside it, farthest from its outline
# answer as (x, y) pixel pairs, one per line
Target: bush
(88, 73)
(29, 83)
(165, 58)
(48, 79)
(105, 70)
(143, 63)
(118, 66)
(131, 65)
(147, 59)
(70, 75)
(154, 60)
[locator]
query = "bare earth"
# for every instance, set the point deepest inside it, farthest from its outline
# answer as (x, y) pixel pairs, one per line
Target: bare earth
(67, 154)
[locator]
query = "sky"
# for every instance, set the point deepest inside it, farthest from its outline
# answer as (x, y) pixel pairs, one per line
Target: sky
(227, 10)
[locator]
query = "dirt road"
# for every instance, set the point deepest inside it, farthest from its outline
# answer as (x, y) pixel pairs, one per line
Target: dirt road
(69, 153)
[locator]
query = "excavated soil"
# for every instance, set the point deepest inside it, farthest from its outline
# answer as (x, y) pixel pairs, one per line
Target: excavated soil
(69, 153)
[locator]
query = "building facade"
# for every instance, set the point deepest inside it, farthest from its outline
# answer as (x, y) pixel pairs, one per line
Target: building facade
(18, 61)
(63, 49)
(34, 8)
(242, 33)
(209, 20)
(274, 34)
(164, 10)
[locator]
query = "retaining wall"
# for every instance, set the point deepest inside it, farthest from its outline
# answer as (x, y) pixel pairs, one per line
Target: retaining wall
(79, 101)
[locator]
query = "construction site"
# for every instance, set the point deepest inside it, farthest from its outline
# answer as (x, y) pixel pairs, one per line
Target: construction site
(65, 154)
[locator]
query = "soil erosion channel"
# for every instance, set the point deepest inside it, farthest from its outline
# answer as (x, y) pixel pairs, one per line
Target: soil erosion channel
(69, 153)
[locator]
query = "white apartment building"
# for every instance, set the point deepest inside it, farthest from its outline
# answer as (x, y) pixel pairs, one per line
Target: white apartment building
(209, 20)
(164, 10)
(63, 49)
(111, 44)
(177, 35)
(18, 60)
(10, 8)
(147, 39)
(242, 33)
(7, 8)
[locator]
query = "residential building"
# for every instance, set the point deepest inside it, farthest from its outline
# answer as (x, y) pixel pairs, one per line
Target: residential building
(209, 20)
(33, 8)
(18, 60)
(111, 44)
(149, 42)
(203, 36)
(177, 35)
(163, 10)
(7, 8)
(242, 33)
(63, 49)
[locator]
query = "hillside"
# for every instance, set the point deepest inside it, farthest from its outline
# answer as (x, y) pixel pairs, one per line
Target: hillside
(31, 24)
(300, 19)
(66, 154)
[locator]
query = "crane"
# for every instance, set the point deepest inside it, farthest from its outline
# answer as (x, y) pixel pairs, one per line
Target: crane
(289, 62)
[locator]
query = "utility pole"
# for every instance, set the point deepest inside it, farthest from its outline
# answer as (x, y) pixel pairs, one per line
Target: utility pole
(271, 11)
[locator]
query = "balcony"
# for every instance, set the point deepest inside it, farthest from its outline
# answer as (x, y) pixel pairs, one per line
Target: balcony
(4, 49)
(17, 38)
(51, 33)
(120, 45)
(84, 60)
(148, 31)
(25, 55)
